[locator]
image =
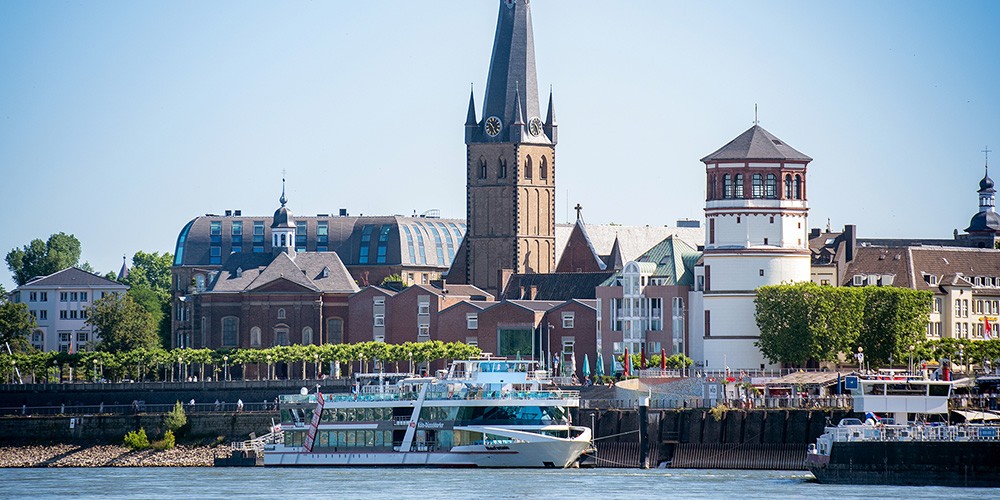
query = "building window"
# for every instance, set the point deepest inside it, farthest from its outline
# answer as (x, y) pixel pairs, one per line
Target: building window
(378, 301)
(859, 280)
(258, 236)
(424, 305)
(757, 186)
(43, 314)
(237, 234)
(543, 168)
(527, 168)
(761, 271)
(501, 168)
(482, 167)
(423, 331)
(568, 345)
(568, 319)
(472, 321)
(335, 331)
(798, 187)
(281, 313)
(215, 257)
(81, 336)
(824, 282)
(230, 331)
(409, 278)
(64, 314)
(215, 233)
(281, 335)
(937, 304)
(474, 341)
(33, 297)
(255, 337)
(379, 320)
(301, 235)
(383, 243)
(788, 186)
(63, 296)
(771, 186)
(43, 296)
(423, 277)
(738, 186)
(727, 186)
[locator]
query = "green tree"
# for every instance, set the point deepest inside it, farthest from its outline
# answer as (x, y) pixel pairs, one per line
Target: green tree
(806, 322)
(393, 278)
(176, 418)
(15, 322)
(41, 258)
(894, 319)
(122, 324)
(149, 282)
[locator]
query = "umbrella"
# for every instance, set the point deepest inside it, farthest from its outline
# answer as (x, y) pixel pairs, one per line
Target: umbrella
(586, 366)
(663, 359)
(627, 364)
(572, 361)
(631, 367)
(599, 369)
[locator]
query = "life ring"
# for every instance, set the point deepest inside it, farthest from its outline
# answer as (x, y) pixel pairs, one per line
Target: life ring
(413, 424)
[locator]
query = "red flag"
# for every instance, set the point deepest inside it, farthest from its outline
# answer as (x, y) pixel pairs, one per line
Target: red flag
(626, 363)
(643, 357)
(989, 329)
(663, 359)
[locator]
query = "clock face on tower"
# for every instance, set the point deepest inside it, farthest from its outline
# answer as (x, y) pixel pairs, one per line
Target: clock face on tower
(493, 126)
(535, 126)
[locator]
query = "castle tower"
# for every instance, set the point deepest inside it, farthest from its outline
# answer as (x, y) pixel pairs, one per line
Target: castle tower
(510, 162)
(756, 214)
(985, 225)
(283, 227)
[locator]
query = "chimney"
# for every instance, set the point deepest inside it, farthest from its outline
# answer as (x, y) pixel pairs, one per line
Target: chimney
(503, 276)
(532, 292)
(814, 233)
(238, 213)
(229, 213)
(343, 212)
(522, 296)
(850, 235)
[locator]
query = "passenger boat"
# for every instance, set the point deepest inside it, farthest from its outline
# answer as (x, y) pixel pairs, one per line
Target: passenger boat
(905, 451)
(480, 413)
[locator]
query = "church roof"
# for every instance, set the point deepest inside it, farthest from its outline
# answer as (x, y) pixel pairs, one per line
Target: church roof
(512, 78)
(316, 271)
(756, 144)
(633, 241)
(984, 222)
(554, 286)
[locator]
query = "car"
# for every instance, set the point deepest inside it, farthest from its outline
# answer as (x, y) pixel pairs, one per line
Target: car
(845, 422)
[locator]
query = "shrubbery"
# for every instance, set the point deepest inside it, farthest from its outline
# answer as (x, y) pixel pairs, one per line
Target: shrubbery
(176, 418)
(137, 440)
(167, 443)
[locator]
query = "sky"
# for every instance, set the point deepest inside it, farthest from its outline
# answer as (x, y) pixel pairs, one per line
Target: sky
(121, 121)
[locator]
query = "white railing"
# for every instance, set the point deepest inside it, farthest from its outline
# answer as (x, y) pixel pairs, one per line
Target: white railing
(914, 433)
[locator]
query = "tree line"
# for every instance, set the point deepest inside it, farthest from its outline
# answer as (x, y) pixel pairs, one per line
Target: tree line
(805, 323)
(303, 361)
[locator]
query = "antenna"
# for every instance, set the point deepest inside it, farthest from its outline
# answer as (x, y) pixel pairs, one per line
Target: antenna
(755, 120)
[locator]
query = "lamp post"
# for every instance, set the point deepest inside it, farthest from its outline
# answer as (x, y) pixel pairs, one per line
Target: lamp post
(55, 366)
(410, 353)
(180, 374)
(861, 359)
(268, 368)
(910, 368)
(316, 363)
(95, 370)
(225, 364)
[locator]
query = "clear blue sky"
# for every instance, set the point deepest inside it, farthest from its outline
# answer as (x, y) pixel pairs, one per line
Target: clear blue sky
(120, 121)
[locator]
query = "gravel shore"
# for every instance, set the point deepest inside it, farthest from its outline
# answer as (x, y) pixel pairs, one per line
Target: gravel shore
(63, 455)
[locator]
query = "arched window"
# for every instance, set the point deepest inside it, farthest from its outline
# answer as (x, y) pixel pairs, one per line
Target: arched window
(335, 331)
(527, 168)
(281, 335)
(199, 282)
(482, 167)
(798, 187)
(255, 337)
(307, 335)
(738, 186)
(771, 186)
(282, 239)
(727, 186)
(230, 331)
(788, 187)
(758, 186)
(501, 168)
(281, 313)
(543, 168)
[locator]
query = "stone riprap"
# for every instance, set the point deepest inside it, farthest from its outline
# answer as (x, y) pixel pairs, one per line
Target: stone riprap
(66, 455)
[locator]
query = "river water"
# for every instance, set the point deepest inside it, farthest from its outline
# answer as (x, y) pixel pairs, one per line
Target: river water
(589, 484)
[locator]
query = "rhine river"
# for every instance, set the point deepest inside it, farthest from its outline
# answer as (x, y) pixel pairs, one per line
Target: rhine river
(589, 484)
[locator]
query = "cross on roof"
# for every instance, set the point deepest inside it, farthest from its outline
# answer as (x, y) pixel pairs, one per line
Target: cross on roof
(578, 209)
(987, 151)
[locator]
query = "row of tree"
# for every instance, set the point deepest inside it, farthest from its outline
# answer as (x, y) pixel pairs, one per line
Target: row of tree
(805, 323)
(159, 364)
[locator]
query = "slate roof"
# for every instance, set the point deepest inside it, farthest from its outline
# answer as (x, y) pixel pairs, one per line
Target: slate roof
(756, 144)
(633, 241)
(984, 222)
(453, 290)
(71, 277)
(671, 258)
(912, 266)
(555, 286)
(248, 272)
(535, 305)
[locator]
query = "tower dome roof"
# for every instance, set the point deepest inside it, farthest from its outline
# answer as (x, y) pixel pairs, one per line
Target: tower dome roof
(283, 216)
(986, 183)
(984, 222)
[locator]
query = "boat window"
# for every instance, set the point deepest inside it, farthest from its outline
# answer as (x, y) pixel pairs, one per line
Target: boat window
(939, 389)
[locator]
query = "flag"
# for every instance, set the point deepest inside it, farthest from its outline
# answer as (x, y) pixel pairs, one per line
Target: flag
(642, 364)
(626, 364)
(989, 329)
(663, 359)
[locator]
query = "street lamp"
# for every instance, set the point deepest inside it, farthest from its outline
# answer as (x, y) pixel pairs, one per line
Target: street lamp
(268, 367)
(861, 359)
(180, 375)
(225, 361)
(912, 347)
(410, 353)
(316, 363)
(95, 370)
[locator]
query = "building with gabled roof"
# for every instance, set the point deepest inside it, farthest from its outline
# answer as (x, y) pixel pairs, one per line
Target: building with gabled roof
(59, 303)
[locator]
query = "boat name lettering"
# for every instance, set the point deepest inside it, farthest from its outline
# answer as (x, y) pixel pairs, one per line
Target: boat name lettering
(432, 425)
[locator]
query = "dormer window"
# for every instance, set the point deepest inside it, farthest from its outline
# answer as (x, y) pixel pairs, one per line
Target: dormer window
(239, 272)
(859, 280)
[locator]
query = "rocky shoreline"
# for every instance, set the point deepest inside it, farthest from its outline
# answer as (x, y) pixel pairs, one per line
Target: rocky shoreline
(65, 455)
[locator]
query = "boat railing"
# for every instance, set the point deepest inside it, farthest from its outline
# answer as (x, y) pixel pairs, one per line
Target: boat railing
(914, 433)
(469, 394)
(256, 445)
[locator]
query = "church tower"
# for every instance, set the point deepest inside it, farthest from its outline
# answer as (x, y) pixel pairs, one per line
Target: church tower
(283, 227)
(756, 215)
(510, 164)
(984, 228)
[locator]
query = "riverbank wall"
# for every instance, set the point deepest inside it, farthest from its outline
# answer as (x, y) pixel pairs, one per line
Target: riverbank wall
(111, 429)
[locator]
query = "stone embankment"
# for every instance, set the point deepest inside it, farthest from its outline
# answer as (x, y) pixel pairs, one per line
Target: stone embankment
(66, 455)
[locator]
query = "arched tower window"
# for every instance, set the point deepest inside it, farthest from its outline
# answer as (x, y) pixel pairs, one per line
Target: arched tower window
(281, 313)
(501, 168)
(527, 167)
(543, 168)
(771, 186)
(307, 335)
(738, 186)
(788, 187)
(798, 187)
(727, 186)
(255, 337)
(758, 186)
(230, 331)
(482, 167)
(282, 239)
(710, 189)
(335, 331)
